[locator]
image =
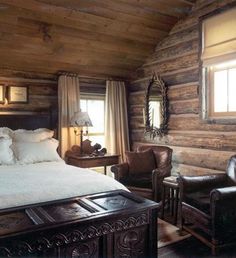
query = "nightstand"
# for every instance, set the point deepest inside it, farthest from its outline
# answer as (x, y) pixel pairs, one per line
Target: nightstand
(170, 193)
(88, 161)
(90, 157)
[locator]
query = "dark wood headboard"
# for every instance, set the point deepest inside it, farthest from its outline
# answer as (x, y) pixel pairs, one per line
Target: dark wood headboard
(29, 120)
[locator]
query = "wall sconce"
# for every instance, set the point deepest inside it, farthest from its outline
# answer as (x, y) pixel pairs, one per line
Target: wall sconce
(80, 119)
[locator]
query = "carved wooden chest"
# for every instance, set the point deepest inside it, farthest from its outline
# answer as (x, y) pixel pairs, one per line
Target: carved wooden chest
(111, 224)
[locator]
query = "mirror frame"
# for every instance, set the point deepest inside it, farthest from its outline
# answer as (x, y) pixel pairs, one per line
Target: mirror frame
(153, 131)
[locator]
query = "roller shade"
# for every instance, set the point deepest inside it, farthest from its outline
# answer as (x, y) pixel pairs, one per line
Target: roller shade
(219, 38)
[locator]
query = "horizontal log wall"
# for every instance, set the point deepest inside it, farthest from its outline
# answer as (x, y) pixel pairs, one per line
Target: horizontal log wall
(42, 89)
(198, 147)
(42, 94)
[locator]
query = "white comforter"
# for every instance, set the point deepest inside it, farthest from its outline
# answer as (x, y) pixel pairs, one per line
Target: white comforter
(34, 183)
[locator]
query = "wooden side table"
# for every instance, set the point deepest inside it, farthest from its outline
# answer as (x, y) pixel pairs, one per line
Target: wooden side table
(93, 161)
(90, 157)
(170, 191)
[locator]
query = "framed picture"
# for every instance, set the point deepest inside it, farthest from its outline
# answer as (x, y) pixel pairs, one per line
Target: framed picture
(17, 94)
(2, 94)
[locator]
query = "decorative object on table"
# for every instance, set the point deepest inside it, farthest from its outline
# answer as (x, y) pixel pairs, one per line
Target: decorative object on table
(81, 119)
(103, 151)
(17, 94)
(88, 149)
(99, 151)
(2, 94)
(96, 146)
(92, 156)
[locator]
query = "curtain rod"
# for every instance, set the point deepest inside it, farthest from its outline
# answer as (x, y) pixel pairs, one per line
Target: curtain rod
(91, 77)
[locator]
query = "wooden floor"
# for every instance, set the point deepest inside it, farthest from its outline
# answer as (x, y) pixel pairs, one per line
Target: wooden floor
(192, 248)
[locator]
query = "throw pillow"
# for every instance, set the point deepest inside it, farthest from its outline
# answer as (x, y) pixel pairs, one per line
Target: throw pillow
(140, 162)
(6, 153)
(38, 135)
(34, 152)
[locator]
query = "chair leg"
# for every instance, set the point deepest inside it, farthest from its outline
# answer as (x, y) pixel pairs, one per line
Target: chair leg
(176, 206)
(214, 248)
(181, 224)
(172, 201)
(163, 201)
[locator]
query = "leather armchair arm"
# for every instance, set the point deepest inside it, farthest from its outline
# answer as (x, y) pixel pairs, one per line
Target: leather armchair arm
(158, 176)
(120, 170)
(223, 193)
(223, 211)
(190, 184)
(164, 171)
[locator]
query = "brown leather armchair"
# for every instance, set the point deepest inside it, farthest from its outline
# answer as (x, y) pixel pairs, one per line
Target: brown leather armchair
(208, 207)
(146, 176)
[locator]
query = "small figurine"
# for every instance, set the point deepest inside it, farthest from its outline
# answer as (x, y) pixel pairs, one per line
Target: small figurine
(98, 152)
(103, 151)
(96, 147)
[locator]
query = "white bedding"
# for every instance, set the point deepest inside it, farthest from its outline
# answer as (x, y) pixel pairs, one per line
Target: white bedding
(46, 181)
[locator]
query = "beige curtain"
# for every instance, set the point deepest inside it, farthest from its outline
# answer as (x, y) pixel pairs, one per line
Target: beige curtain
(68, 103)
(116, 119)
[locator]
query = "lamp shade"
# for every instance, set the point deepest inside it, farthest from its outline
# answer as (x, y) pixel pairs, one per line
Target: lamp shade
(80, 119)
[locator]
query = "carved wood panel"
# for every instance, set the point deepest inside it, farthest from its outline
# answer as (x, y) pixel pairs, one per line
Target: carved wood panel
(88, 249)
(80, 227)
(131, 243)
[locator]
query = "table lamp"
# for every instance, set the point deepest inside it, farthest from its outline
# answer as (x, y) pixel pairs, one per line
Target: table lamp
(80, 119)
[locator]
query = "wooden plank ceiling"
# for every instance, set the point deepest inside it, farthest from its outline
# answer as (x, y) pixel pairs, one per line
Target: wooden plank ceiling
(107, 38)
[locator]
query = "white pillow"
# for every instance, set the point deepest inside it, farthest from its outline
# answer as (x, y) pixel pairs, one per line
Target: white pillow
(6, 131)
(34, 152)
(38, 135)
(6, 153)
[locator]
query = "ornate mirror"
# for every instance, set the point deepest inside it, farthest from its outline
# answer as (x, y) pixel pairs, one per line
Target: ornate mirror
(155, 115)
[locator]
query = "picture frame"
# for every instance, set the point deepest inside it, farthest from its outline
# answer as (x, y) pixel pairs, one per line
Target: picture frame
(2, 94)
(18, 94)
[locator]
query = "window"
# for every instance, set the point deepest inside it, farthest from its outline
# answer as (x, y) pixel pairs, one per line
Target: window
(222, 90)
(219, 65)
(95, 106)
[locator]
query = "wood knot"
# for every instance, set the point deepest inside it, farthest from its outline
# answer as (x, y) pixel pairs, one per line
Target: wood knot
(44, 28)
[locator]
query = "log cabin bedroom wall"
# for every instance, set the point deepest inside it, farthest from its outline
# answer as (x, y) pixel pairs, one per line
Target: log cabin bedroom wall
(100, 40)
(42, 94)
(175, 59)
(198, 147)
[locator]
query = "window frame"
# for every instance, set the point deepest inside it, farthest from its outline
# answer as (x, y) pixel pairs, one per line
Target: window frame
(94, 97)
(204, 80)
(211, 84)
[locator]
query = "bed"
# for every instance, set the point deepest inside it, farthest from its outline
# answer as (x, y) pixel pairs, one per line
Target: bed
(50, 209)
(46, 181)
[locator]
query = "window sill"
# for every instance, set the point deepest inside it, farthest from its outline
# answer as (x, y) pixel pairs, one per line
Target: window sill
(220, 120)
